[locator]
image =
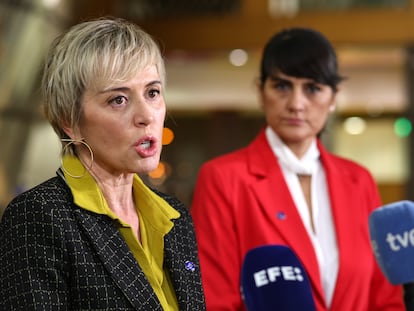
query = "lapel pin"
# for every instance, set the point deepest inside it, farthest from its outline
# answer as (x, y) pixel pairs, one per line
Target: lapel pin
(281, 215)
(190, 266)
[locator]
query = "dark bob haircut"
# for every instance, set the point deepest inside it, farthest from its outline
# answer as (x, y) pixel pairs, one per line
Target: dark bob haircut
(301, 53)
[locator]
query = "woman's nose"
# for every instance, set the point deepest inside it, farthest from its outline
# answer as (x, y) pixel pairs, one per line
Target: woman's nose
(297, 100)
(143, 114)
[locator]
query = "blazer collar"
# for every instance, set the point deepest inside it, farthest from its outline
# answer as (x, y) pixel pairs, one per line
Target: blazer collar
(118, 260)
(183, 266)
(126, 273)
(270, 187)
(274, 195)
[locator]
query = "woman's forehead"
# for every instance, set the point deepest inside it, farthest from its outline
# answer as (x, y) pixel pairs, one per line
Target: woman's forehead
(111, 75)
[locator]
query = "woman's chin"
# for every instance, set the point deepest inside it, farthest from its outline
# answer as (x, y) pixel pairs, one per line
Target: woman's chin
(147, 166)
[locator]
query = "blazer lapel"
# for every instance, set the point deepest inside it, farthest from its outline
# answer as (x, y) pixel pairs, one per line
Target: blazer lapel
(183, 267)
(172, 263)
(118, 260)
(344, 205)
(275, 199)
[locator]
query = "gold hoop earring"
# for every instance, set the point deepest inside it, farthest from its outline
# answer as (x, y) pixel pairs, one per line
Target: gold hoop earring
(70, 142)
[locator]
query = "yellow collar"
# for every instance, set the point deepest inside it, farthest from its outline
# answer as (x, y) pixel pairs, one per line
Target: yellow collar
(87, 194)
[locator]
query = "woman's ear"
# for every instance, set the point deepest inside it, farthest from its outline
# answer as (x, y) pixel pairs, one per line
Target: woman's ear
(259, 90)
(332, 106)
(70, 132)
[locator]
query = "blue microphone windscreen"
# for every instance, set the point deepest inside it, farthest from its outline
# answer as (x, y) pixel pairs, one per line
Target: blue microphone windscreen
(391, 230)
(273, 278)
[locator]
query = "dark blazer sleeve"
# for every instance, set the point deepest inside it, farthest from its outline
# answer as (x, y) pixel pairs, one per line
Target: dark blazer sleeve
(33, 273)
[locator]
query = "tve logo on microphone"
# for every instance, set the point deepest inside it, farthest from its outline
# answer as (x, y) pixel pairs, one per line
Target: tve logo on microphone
(391, 230)
(400, 240)
(272, 274)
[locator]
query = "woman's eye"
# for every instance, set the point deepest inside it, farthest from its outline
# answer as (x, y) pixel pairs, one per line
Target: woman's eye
(153, 93)
(119, 100)
(313, 88)
(281, 85)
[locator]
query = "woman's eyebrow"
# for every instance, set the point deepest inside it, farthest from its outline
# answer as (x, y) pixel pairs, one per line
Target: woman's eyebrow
(127, 88)
(115, 89)
(154, 82)
(277, 78)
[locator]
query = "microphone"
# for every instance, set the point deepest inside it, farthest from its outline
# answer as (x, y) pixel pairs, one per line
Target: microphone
(391, 230)
(273, 278)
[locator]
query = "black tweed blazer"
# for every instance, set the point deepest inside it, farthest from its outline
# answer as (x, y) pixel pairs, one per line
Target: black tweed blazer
(55, 255)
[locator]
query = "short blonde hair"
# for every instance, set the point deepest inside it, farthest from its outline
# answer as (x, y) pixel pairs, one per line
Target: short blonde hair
(92, 55)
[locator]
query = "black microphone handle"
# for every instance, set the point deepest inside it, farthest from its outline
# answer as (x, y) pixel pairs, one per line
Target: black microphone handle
(409, 296)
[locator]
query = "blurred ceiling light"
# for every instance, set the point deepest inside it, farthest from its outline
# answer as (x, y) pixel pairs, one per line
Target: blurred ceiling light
(354, 125)
(159, 171)
(238, 57)
(283, 8)
(402, 127)
(51, 4)
(167, 136)
(158, 176)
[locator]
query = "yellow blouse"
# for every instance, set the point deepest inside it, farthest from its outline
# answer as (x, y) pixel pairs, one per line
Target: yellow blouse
(154, 222)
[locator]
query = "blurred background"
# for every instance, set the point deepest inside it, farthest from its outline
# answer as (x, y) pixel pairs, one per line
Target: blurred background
(212, 50)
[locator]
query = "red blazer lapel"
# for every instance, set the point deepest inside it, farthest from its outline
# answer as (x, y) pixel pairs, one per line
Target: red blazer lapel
(340, 182)
(346, 202)
(277, 202)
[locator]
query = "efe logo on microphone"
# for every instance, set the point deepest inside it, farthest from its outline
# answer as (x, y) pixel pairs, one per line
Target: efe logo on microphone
(272, 274)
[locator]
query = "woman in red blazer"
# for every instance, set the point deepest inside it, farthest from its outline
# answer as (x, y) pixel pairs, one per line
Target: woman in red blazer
(286, 188)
